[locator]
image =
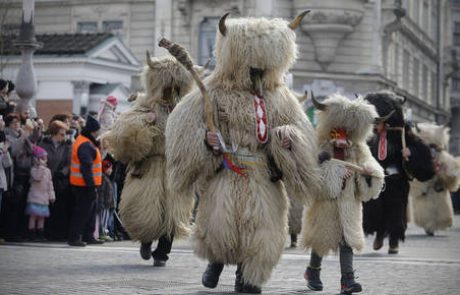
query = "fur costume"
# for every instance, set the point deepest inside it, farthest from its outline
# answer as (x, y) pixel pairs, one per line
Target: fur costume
(242, 216)
(431, 203)
(336, 214)
(387, 214)
(139, 141)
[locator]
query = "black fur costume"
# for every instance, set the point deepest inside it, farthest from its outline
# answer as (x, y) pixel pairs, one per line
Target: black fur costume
(386, 216)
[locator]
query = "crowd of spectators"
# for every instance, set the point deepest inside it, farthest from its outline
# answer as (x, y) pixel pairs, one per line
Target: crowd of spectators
(36, 199)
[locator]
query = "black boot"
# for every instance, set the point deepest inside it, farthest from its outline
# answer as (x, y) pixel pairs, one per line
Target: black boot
(32, 235)
(146, 250)
(40, 235)
(77, 243)
(348, 285)
(394, 246)
(211, 275)
(241, 287)
(312, 275)
(293, 241)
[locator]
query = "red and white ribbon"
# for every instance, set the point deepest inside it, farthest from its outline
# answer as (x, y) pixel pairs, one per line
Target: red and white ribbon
(261, 119)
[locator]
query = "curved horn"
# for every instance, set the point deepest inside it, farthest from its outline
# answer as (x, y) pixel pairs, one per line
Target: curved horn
(303, 97)
(404, 100)
(206, 65)
(383, 119)
(222, 27)
(356, 95)
(149, 60)
(416, 127)
(448, 122)
(318, 105)
(296, 22)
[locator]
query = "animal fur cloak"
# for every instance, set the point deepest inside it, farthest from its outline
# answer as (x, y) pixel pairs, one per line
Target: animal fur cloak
(336, 214)
(431, 203)
(138, 140)
(242, 213)
(387, 215)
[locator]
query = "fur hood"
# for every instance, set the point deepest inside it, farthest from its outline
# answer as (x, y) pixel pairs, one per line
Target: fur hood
(266, 44)
(160, 73)
(385, 102)
(433, 134)
(351, 115)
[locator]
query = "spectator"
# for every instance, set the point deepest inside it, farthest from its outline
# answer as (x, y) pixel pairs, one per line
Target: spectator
(5, 163)
(21, 153)
(59, 150)
(23, 110)
(85, 177)
(107, 115)
(6, 107)
(106, 201)
(41, 193)
(66, 118)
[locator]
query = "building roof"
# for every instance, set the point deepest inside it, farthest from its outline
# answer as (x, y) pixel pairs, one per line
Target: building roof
(60, 44)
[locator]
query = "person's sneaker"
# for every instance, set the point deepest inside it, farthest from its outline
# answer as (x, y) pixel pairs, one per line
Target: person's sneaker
(251, 289)
(146, 250)
(211, 275)
(429, 233)
(348, 285)
(378, 243)
(312, 275)
(293, 241)
(106, 238)
(159, 262)
(94, 242)
(76, 243)
(393, 246)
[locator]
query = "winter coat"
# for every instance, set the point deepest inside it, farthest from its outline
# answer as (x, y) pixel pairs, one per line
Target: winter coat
(5, 162)
(58, 162)
(41, 186)
(105, 194)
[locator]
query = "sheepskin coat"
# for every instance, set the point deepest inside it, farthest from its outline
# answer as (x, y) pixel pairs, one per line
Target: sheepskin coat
(336, 214)
(139, 142)
(431, 202)
(243, 219)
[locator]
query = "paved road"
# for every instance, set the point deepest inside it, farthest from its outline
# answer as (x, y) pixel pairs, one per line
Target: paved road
(425, 265)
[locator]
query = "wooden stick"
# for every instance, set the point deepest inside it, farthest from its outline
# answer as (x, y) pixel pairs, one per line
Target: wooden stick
(352, 166)
(183, 57)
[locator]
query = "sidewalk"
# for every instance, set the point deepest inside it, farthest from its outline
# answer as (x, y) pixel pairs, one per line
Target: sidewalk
(425, 265)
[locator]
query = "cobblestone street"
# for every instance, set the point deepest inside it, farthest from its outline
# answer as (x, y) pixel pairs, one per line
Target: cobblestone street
(425, 265)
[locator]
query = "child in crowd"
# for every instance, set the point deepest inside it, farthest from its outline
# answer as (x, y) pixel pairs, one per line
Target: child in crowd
(106, 204)
(41, 193)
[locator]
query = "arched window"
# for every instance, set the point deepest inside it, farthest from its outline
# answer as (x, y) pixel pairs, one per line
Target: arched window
(208, 29)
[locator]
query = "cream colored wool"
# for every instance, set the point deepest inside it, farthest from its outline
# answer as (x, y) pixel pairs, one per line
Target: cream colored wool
(336, 214)
(145, 209)
(243, 220)
(296, 207)
(433, 210)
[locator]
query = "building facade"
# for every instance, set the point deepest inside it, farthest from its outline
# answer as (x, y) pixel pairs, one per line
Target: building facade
(349, 46)
(455, 94)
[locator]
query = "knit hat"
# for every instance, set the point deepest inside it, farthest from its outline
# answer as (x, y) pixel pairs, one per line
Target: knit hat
(92, 125)
(112, 100)
(39, 152)
(106, 164)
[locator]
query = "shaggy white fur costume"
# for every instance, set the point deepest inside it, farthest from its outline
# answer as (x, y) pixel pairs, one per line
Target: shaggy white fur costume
(336, 214)
(135, 140)
(243, 219)
(431, 209)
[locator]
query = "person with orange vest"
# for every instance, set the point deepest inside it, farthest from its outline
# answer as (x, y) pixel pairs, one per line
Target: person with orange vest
(85, 176)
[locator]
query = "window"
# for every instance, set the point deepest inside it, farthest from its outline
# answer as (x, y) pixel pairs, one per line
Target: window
(113, 26)
(457, 34)
(456, 84)
(87, 27)
(434, 21)
(434, 88)
(425, 16)
(406, 62)
(425, 95)
(416, 76)
(207, 40)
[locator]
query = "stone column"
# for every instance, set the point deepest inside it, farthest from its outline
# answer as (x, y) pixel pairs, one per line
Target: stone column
(26, 83)
(81, 97)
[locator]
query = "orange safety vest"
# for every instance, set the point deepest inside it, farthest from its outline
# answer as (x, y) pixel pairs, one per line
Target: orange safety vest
(76, 178)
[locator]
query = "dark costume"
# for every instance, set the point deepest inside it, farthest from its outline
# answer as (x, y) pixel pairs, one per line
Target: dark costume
(386, 216)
